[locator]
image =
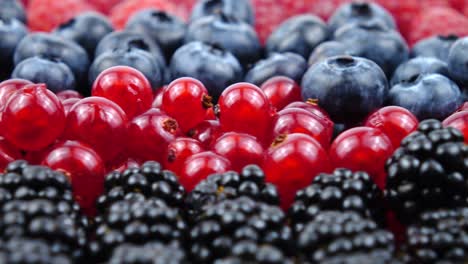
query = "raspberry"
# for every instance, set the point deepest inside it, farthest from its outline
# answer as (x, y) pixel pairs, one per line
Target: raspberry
(45, 15)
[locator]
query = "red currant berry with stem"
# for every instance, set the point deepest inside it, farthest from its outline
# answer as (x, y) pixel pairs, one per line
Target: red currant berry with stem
(8, 87)
(186, 100)
(244, 108)
(178, 151)
(240, 149)
(363, 149)
(157, 102)
(281, 91)
(149, 134)
(34, 118)
(292, 162)
(396, 122)
(312, 106)
(85, 169)
(206, 132)
(67, 94)
(459, 121)
(100, 123)
(68, 104)
(199, 166)
(297, 120)
(8, 153)
(125, 86)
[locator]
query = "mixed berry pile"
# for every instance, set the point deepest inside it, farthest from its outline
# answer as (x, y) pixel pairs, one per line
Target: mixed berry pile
(233, 131)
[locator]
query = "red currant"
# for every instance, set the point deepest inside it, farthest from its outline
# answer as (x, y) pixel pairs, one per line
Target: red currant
(199, 166)
(34, 117)
(67, 94)
(8, 153)
(178, 151)
(8, 87)
(292, 162)
(396, 122)
(459, 121)
(312, 106)
(149, 135)
(240, 149)
(125, 86)
(363, 149)
(206, 132)
(244, 108)
(281, 91)
(68, 104)
(84, 168)
(100, 123)
(157, 102)
(297, 120)
(210, 114)
(127, 164)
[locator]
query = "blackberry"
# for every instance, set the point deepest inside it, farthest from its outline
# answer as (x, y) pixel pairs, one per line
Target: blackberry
(154, 253)
(251, 252)
(222, 226)
(439, 236)
(336, 233)
(30, 251)
(428, 171)
(149, 180)
(230, 185)
(363, 258)
(342, 190)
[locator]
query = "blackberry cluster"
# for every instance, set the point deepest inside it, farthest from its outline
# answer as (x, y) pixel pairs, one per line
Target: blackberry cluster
(428, 171)
(154, 253)
(230, 185)
(251, 252)
(237, 227)
(334, 235)
(28, 251)
(342, 190)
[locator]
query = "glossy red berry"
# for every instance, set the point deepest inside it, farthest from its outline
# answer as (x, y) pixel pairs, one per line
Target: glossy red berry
(33, 117)
(127, 164)
(292, 162)
(125, 86)
(199, 166)
(297, 120)
(67, 94)
(187, 101)
(459, 121)
(100, 123)
(8, 153)
(363, 149)
(312, 106)
(83, 166)
(8, 87)
(157, 102)
(244, 108)
(240, 149)
(206, 132)
(149, 134)
(68, 104)
(178, 151)
(281, 91)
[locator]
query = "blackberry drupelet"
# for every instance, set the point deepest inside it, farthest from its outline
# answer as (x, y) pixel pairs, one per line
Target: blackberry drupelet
(363, 258)
(251, 252)
(230, 185)
(336, 233)
(30, 251)
(149, 180)
(342, 190)
(224, 226)
(428, 171)
(154, 253)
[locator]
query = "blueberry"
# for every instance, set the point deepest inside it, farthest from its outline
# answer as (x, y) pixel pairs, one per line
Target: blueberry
(12, 32)
(429, 96)
(435, 46)
(358, 12)
(86, 29)
(213, 66)
(55, 74)
(286, 64)
(51, 46)
(135, 58)
(458, 61)
(239, 9)
(329, 49)
(410, 70)
(164, 29)
(231, 34)
(374, 41)
(12, 9)
(348, 88)
(299, 34)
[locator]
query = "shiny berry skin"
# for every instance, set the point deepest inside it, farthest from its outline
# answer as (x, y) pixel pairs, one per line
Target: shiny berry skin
(244, 108)
(186, 100)
(157, 102)
(310, 105)
(206, 132)
(8, 153)
(68, 104)
(296, 120)
(100, 123)
(459, 121)
(199, 166)
(240, 149)
(8, 87)
(281, 91)
(34, 117)
(85, 169)
(363, 149)
(67, 94)
(178, 151)
(127, 164)
(125, 86)
(149, 134)
(396, 122)
(292, 162)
